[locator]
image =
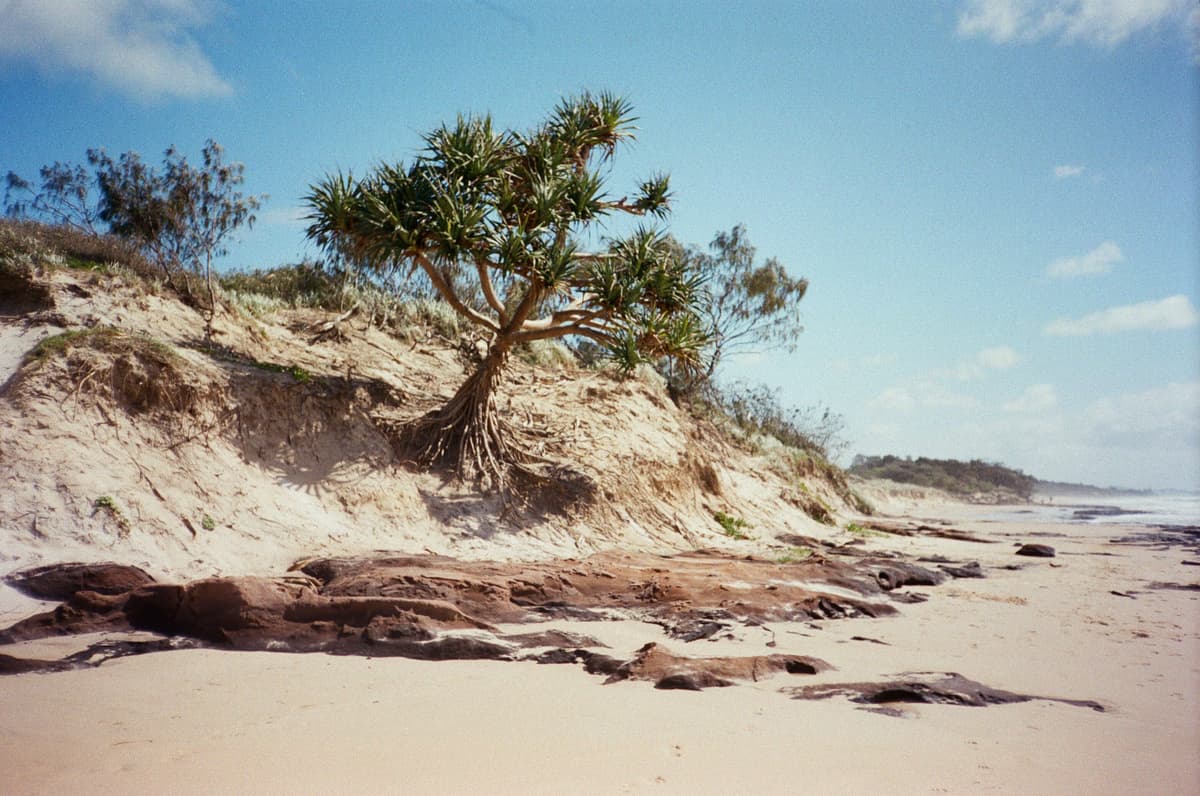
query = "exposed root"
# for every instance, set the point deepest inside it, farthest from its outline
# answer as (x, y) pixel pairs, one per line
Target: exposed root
(469, 434)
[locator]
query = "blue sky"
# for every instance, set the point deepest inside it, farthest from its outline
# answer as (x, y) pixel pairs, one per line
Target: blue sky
(996, 201)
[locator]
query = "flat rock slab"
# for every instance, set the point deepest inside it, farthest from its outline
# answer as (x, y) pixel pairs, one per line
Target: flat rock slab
(669, 671)
(938, 688)
(437, 608)
(61, 581)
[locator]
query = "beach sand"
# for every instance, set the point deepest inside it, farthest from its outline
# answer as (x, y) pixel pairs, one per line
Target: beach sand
(207, 721)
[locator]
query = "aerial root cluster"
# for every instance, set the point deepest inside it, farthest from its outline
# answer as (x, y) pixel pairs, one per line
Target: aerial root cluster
(469, 435)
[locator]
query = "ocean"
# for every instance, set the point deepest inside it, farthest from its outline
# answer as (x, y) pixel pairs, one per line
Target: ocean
(1148, 510)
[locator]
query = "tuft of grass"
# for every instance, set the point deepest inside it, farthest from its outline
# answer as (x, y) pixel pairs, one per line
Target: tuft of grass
(859, 530)
(438, 316)
(549, 354)
(226, 355)
(734, 526)
(66, 246)
(104, 338)
(795, 555)
(207, 523)
(314, 286)
(305, 284)
(107, 504)
(85, 264)
(295, 371)
(861, 504)
(58, 344)
(255, 304)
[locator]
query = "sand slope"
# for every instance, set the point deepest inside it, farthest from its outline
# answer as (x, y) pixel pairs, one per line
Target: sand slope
(220, 461)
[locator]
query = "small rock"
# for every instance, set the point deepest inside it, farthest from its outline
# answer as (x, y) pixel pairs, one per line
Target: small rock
(691, 682)
(695, 630)
(970, 570)
(1036, 550)
(559, 655)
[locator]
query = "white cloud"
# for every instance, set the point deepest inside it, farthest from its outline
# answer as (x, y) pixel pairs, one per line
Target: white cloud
(1068, 170)
(139, 47)
(1106, 23)
(999, 358)
(1035, 398)
(930, 391)
(284, 216)
(923, 395)
(1169, 414)
(996, 358)
(1193, 25)
(1099, 260)
(1175, 312)
(877, 360)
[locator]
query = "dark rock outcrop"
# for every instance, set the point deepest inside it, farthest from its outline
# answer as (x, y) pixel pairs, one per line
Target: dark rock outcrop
(60, 582)
(891, 575)
(437, 608)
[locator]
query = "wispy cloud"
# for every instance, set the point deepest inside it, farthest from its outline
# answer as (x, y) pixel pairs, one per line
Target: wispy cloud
(1099, 260)
(1175, 312)
(1035, 398)
(1145, 437)
(1106, 23)
(284, 216)
(1167, 413)
(936, 389)
(1068, 170)
(989, 359)
(877, 360)
(142, 48)
(998, 358)
(921, 395)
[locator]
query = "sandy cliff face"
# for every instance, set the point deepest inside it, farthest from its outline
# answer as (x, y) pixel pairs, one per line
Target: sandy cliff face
(123, 435)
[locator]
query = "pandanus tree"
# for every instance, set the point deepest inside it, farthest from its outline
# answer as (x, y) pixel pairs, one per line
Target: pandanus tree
(517, 214)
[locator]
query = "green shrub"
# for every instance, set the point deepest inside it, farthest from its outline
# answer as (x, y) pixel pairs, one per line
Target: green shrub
(734, 526)
(304, 284)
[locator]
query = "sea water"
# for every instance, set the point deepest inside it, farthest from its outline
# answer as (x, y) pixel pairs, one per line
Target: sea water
(1176, 509)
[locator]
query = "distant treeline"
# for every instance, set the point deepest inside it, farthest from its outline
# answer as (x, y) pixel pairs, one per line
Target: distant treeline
(966, 479)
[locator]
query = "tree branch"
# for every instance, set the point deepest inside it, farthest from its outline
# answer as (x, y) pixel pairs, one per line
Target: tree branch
(564, 331)
(447, 292)
(575, 308)
(489, 292)
(528, 302)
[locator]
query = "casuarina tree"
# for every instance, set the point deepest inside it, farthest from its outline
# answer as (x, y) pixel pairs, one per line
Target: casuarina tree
(516, 215)
(753, 305)
(182, 216)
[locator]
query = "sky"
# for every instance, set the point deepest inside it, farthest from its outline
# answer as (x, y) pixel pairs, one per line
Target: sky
(996, 202)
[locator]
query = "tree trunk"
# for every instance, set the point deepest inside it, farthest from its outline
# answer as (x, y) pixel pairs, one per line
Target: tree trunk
(468, 433)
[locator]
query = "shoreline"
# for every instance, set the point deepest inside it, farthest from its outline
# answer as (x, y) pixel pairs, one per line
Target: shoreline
(206, 720)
